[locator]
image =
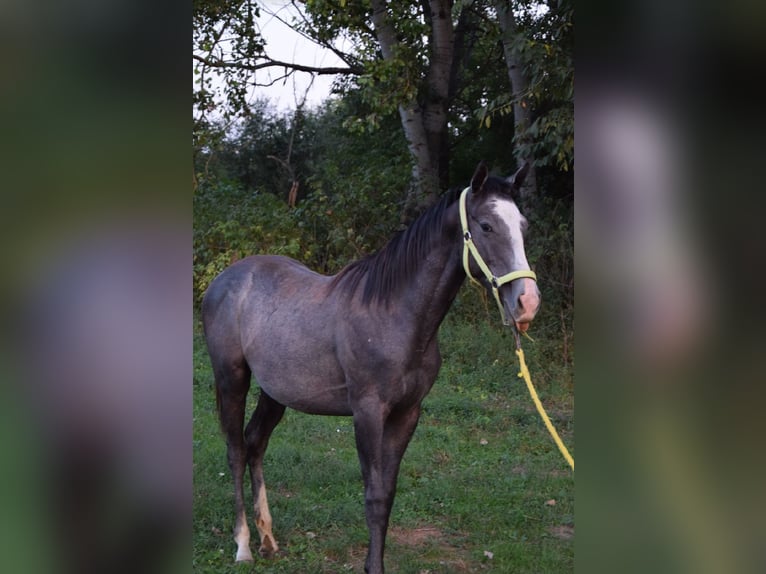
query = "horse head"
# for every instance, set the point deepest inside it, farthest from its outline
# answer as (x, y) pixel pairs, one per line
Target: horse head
(494, 224)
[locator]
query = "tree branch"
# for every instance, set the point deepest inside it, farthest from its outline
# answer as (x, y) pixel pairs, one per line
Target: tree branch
(349, 59)
(269, 63)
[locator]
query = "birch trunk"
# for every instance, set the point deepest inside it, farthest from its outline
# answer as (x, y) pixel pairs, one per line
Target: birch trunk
(425, 126)
(522, 113)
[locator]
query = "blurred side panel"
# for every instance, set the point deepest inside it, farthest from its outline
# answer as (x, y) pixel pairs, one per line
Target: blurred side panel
(95, 297)
(670, 249)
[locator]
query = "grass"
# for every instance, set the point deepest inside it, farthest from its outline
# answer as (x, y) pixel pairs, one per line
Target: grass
(475, 486)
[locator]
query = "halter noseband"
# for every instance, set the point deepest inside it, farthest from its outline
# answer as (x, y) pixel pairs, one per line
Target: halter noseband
(470, 247)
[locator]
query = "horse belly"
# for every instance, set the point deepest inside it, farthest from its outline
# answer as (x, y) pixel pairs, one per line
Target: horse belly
(314, 396)
(309, 395)
(308, 379)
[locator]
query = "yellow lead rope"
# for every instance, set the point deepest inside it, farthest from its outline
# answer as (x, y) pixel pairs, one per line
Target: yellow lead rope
(524, 373)
(469, 248)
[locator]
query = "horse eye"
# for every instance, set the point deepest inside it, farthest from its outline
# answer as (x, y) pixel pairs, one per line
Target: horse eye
(486, 227)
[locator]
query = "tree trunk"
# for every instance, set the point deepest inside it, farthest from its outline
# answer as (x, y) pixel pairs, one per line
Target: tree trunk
(522, 112)
(438, 83)
(425, 126)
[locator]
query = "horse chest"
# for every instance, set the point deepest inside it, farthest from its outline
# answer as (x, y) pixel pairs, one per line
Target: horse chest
(395, 372)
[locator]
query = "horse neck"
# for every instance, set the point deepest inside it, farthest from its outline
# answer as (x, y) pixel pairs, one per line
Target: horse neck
(437, 282)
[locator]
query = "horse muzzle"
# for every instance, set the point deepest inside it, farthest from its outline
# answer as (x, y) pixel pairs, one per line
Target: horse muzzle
(521, 301)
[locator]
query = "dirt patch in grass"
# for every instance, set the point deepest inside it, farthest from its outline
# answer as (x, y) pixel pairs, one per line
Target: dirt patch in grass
(355, 560)
(562, 532)
(433, 537)
(414, 536)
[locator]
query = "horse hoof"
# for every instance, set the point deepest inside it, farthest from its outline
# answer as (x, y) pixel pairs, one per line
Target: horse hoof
(244, 555)
(267, 552)
(268, 548)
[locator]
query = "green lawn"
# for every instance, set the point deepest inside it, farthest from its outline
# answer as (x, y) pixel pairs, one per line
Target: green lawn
(482, 487)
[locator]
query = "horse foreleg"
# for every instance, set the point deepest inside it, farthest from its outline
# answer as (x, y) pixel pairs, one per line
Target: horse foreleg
(381, 442)
(267, 415)
(368, 429)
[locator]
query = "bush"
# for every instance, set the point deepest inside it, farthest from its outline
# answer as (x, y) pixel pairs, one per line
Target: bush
(231, 223)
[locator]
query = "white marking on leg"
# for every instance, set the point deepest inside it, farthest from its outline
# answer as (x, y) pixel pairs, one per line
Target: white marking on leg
(242, 538)
(269, 544)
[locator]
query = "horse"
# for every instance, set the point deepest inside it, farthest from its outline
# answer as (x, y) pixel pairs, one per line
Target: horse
(362, 343)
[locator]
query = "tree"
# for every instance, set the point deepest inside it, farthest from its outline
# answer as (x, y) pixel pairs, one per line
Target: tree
(522, 111)
(415, 59)
(538, 40)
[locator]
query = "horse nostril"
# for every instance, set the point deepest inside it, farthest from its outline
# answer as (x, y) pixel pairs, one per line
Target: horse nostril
(528, 301)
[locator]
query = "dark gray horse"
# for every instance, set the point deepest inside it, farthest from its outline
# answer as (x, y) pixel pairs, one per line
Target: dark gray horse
(361, 343)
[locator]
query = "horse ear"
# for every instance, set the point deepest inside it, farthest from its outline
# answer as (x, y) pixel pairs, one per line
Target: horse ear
(517, 179)
(479, 177)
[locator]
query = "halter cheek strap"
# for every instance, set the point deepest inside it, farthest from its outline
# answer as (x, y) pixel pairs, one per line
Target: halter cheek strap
(469, 247)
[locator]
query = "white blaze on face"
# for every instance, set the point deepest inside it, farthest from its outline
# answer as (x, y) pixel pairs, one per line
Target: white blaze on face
(509, 214)
(529, 300)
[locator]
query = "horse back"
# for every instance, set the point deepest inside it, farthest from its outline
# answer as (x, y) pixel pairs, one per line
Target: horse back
(248, 289)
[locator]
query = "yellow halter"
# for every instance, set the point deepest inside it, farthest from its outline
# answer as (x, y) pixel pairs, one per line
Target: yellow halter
(470, 247)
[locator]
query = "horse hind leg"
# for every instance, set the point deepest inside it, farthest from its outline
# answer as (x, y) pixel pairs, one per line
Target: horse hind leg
(232, 384)
(266, 417)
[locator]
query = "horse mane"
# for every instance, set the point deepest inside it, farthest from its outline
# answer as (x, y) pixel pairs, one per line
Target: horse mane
(388, 269)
